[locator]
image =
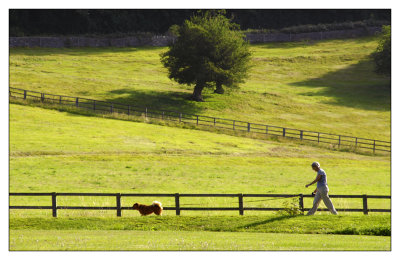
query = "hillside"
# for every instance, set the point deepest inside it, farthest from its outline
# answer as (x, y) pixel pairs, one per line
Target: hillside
(63, 152)
(326, 86)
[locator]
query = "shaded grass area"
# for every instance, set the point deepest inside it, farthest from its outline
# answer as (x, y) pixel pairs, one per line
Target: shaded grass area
(188, 240)
(352, 87)
(375, 225)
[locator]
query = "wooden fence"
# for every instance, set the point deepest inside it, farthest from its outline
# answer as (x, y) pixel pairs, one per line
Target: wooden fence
(178, 207)
(229, 124)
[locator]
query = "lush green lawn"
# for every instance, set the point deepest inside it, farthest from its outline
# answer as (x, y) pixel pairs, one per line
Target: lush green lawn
(187, 240)
(326, 86)
(277, 232)
(355, 224)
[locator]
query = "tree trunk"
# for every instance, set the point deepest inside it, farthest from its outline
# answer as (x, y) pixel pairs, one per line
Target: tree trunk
(197, 93)
(219, 89)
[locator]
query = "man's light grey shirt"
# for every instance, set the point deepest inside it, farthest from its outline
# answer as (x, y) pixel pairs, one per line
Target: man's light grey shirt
(323, 181)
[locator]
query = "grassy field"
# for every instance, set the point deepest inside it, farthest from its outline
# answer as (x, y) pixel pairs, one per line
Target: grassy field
(64, 152)
(137, 157)
(291, 84)
(277, 232)
(36, 240)
(326, 86)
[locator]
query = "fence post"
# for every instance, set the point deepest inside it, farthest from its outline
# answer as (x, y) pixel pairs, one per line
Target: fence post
(111, 107)
(177, 207)
(233, 124)
(54, 204)
(24, 94)
(318, 137)
(301, 134)
(266, 129)
(356, 141)
(60, 99)
(197, 120)
(94, 105)
(180, 117)
(118, 204)
(241, 211)
(301, 202)
(283, 132)
(248, 127)
(214, 121)
(374, 145)
(77, 102)
(365, 204)
(42, 97)
(339, 142)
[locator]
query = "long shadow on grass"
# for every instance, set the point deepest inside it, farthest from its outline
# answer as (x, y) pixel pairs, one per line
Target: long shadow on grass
(355, 86)
(280, 218)
(157, 100)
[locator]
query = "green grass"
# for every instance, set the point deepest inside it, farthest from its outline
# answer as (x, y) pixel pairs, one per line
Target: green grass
(35, 240)
(278, 232)
(64, 152)
(376, 225)
(326, 86)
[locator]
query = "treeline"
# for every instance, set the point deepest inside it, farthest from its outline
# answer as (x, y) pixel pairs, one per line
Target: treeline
(30, 22)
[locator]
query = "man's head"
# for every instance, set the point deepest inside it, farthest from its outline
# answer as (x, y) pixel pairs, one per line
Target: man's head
(315, 166)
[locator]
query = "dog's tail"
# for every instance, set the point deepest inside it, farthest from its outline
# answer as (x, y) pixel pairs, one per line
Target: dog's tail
(157, 203)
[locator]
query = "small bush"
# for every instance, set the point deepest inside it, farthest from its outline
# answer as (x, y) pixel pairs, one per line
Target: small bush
(291, 208)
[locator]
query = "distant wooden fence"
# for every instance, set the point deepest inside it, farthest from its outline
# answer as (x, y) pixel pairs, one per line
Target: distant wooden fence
(178, 207)
(235, 125)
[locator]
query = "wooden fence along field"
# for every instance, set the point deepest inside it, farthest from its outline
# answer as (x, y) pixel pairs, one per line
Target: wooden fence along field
(178, 208)
(229, 124)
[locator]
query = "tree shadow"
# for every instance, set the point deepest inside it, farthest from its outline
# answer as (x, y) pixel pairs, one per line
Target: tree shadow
(157, 100)
(355, 86)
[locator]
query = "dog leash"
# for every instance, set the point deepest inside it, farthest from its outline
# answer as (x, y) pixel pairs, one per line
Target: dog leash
(196, 204)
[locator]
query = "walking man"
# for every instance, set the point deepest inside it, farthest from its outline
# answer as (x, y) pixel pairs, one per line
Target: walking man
(321, 192)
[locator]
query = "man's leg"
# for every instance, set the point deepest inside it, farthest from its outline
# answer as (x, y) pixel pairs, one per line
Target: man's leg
(327, 200)
(317, 200)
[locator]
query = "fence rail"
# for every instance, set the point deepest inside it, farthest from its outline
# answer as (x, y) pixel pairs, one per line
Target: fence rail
(178, 207)
(235, 125)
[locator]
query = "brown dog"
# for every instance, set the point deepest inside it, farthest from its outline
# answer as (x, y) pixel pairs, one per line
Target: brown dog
(144, 210)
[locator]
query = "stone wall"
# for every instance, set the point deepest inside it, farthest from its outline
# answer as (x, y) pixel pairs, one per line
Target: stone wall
(315, 36)
(133, 41)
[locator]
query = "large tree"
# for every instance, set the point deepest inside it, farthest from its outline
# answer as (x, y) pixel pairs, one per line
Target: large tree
(382, 55)
(209, 51)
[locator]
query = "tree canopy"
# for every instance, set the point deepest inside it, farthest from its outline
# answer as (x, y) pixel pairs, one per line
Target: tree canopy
(209, 51)
(382, 55)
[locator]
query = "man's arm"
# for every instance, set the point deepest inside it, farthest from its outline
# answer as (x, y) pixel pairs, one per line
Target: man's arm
(314, 181)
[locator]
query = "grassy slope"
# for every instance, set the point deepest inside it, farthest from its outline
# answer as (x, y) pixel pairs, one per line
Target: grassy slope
(325, 86)
(63, 152)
